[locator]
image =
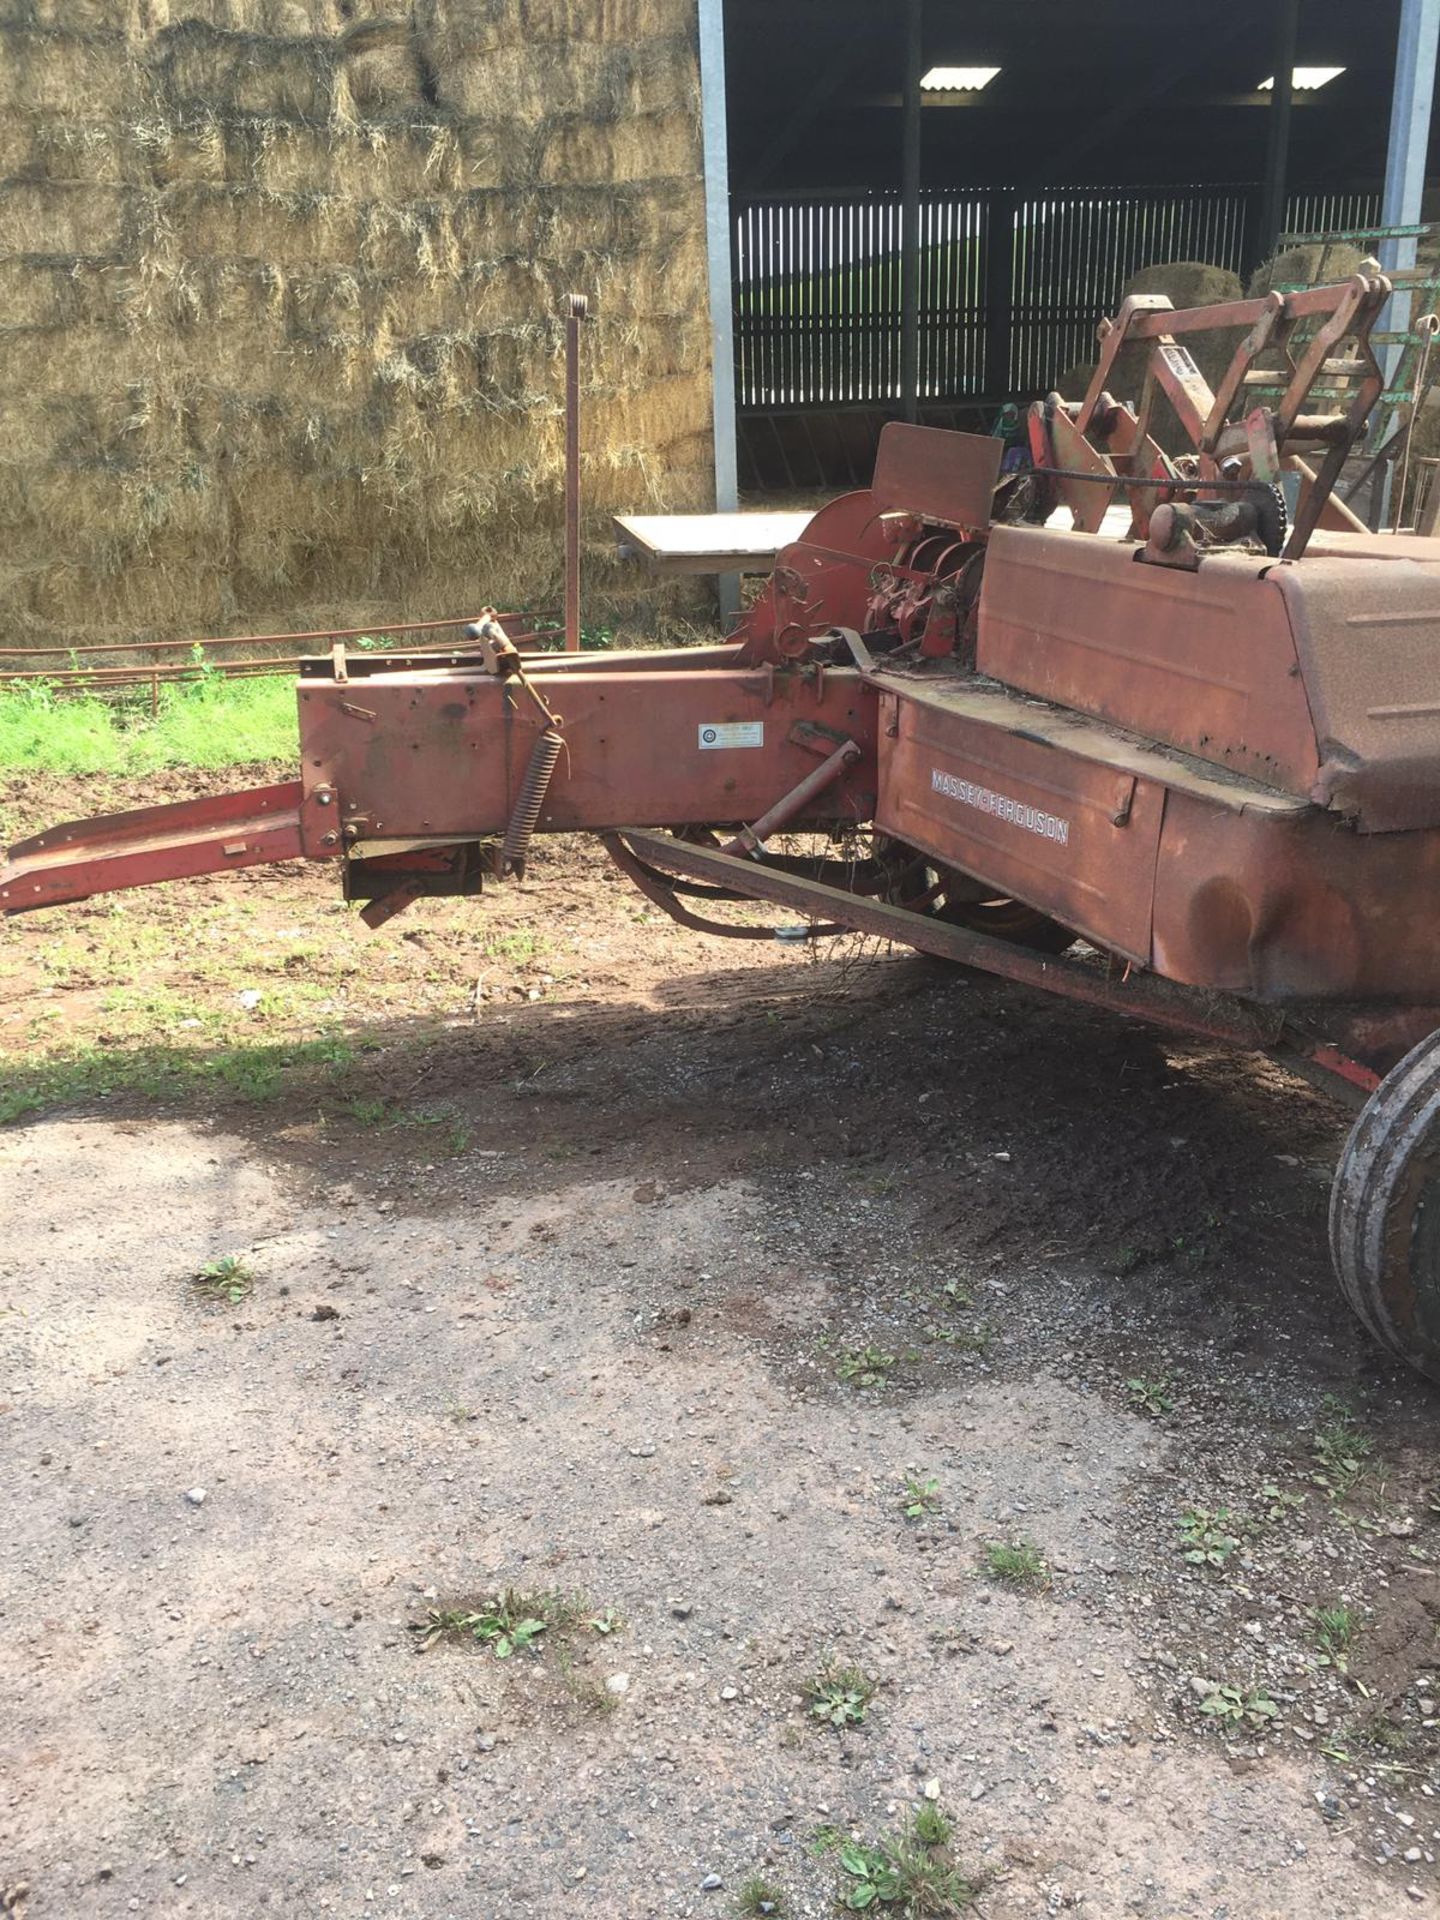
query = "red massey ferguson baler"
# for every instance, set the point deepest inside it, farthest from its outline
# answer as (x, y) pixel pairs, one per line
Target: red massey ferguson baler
(1190, 772)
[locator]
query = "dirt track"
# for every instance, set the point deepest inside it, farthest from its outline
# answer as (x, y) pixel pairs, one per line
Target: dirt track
(561, 1262)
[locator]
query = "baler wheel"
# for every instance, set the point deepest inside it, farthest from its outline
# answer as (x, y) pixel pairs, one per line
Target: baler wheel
(1385, 1211)
(1009, 920)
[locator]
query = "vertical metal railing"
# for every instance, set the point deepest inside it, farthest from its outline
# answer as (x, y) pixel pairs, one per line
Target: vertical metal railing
(1011, 281)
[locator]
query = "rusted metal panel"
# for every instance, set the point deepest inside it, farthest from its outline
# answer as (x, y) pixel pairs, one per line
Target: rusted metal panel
(1010, 712)
(1074, 837)
(1202, 661)
(444, 753)
(1295, 908)
(1366, 636)
(942, 476)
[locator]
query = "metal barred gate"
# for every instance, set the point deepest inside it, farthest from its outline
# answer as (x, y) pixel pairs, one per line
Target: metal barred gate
(1011, 282)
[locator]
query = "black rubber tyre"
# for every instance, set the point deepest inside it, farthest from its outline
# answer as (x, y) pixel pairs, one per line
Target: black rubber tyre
(1385, 1211)
(1010, 920)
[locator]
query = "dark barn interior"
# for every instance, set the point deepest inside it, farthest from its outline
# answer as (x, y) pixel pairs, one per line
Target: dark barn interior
(1112, 137)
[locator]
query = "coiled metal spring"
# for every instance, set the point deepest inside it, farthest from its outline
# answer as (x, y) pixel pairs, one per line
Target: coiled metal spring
(515, 847)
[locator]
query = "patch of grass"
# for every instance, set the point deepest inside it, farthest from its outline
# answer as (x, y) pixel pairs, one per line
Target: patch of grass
(1015, 1563)
(517, 947)
(209, 723)
(1233, 1706)
(226, 1278)
(1339, 1448)
(253, 1074)
(825, 1839)
(839, 1696)
(1380, 1731)
(1150, 1396)
(1205, 1537)
(868, 1366)
(930, 1826)
(906, 1871)
(758, 1896)
(1335, 1630)
(921, 1496)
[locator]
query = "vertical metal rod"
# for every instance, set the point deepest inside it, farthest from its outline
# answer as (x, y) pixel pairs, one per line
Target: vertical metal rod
(1277, 138)
(910, 211)
(577, 308)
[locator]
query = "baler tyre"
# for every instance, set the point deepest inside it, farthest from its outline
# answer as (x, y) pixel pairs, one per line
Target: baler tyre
(1385, 1211)
(1010, 920)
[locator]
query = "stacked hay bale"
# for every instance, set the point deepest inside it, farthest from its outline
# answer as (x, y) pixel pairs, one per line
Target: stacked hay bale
(279, 288)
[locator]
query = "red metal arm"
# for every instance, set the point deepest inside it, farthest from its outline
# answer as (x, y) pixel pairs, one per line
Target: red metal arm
(153, 843)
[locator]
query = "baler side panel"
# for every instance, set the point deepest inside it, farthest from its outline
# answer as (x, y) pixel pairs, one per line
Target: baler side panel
(416, 754)
(1202, 661)
(1074, 837)
(1293, 909)
(1365, 640)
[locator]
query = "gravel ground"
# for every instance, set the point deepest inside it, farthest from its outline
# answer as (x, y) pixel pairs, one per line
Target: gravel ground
(724, 1254)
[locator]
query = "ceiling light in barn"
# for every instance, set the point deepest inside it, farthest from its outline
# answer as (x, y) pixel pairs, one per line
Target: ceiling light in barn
(957, 79)
(1305, 79)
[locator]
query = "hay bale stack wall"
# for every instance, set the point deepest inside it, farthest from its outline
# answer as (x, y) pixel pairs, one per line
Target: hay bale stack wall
(279, 288)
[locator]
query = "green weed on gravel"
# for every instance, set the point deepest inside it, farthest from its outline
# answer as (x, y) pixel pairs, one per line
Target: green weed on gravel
(512, 1621)
(758, 1896)
(1340, 1449)
(1206, 1539)
(1233, 1706)
(910, 1872)
(839, 1696)
(1015, 1563)
(868, 1366)
(226, 1278)
(1334, 1630)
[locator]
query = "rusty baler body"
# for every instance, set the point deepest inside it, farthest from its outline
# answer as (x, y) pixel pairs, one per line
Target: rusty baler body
(1191, 770)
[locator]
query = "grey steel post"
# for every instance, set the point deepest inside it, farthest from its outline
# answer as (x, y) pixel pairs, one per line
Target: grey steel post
(910, 210)
(1405, 179)
(716, 158)
(1277, 138)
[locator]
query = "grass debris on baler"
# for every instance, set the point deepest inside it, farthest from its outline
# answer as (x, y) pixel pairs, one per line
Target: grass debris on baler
(1188, 769)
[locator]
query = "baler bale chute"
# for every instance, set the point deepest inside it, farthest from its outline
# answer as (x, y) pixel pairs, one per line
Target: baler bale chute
(1188, 770)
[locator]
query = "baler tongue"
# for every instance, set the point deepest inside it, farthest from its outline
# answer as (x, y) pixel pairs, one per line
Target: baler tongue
(132, 849)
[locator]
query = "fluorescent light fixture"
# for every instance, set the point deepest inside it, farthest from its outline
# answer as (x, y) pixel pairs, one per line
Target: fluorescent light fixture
(957, 79)
(1302, 79)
